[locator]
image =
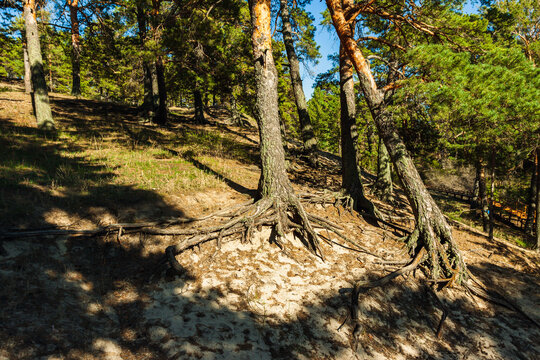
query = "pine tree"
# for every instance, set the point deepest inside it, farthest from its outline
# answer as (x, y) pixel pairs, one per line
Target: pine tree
(42, 108)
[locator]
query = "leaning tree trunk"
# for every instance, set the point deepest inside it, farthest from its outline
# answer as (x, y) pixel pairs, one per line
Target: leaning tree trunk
(75, 47)
(160, 117)
(432, 232)
(27, 72)
(384, 187)
(42, 108)
(308, 135)
(350, 176)
(199, 107)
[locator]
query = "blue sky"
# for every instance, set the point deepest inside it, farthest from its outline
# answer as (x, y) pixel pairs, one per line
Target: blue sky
(329, 44)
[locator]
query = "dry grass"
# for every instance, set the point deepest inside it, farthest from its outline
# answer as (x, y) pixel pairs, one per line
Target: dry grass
(103, 155)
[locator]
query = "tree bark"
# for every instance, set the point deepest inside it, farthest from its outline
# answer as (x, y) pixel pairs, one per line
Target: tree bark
(49, 60)
(27, 72)
(42, 108)
(161, 114)
(432, 232)
(148, 103)
(475, 201)
(538, 199)
(308, 135)
(273, 181)
(533, 193)
(155, 87)
(537, 207)
(482, 193)
(75, 47)
(384, 187)
(492, 195)
(351, 180)
(199, 108)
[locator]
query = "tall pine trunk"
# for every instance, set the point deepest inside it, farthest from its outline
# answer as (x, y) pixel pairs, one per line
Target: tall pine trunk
(155, 87)
(147, 106)
(432, 232)
(42, 108)
(475, 201)
(273, 182)
(538, 199)
(308, 135)
(533, 193)
(75, 48)
(160, 117)
(199, 107)
(482, 193)
(492, 195)
(27, 72)
(350, 175)
(384, 187)
(537, 209)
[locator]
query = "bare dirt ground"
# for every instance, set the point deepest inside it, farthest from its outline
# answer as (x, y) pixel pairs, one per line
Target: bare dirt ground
(106, 298)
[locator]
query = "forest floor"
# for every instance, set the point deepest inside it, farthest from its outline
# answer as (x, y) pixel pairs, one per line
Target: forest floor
(68, 297)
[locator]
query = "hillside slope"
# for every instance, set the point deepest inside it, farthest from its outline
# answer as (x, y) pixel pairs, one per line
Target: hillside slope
(68, 297)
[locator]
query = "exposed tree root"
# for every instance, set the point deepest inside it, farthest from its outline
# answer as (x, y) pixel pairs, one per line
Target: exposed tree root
(472, 285)
(347, 202)
(280, 215)
(158, 227)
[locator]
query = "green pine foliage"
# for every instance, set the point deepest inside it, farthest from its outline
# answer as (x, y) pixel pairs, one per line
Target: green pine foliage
(11, 51)
(324, 110)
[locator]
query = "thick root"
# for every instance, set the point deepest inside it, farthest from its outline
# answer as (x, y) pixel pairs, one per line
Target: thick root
(277, 213)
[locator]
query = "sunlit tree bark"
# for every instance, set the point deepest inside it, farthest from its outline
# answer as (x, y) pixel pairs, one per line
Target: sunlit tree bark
(432, 232)
(40, 95)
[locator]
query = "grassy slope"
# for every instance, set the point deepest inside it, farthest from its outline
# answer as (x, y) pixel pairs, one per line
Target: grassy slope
(102, 156)
(97, 298)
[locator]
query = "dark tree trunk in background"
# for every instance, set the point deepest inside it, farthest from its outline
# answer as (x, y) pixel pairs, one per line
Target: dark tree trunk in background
(75, 48)
(147, 106)
(350, 175)
(533, 193)
(475, 201)
(49, 59)
(482, 194)
(205, 101)
(234, 110)
(160, 117)
(27, 72)
(155, 87)
(308, 135)
(40, 94)
(199, 108)
(432, 232)
(537, 161)
(492, 195)
(384, 187)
